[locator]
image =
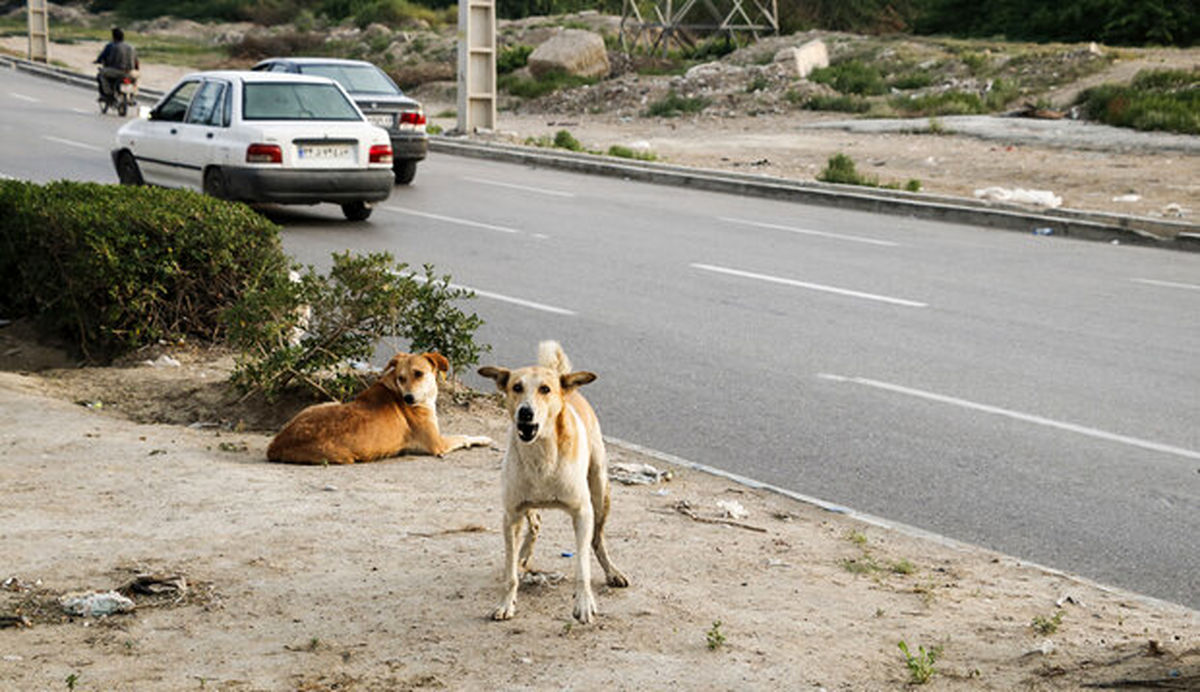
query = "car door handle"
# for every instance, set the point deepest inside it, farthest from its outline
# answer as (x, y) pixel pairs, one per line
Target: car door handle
(209, 135)
(174, 131)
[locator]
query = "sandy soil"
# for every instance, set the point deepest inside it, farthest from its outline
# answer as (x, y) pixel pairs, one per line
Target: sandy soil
(380, 576)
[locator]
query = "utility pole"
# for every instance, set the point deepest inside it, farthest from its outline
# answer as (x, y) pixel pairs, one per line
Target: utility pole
(39, 31)
(476, 65)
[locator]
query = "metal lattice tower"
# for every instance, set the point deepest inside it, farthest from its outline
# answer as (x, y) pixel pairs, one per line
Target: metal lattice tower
(680, 24)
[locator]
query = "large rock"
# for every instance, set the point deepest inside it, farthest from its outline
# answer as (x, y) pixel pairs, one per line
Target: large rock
(574, 51)
(802, 60)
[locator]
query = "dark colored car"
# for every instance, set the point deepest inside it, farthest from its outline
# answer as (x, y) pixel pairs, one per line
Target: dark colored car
(378, 97)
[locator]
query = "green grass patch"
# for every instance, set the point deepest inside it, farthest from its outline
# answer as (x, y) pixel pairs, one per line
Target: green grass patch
(673, 105)
(536, 88)
(851, 77)
(841, 103)
(1166, 100)
(624, 152)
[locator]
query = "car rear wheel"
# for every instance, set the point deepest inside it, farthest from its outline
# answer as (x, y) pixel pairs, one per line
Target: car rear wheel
(214, 183)
(405, 171)
(128, 172)
(357, 211)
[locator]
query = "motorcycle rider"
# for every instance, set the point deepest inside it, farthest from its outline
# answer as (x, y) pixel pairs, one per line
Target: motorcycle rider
(117, 60)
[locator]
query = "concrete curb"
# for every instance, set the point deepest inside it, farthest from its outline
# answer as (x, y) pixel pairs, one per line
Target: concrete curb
(1133, 230)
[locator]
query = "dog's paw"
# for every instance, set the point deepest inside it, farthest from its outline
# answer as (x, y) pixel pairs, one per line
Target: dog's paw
(585, 608)
(617, 580)
(481, 441)
(505, 611)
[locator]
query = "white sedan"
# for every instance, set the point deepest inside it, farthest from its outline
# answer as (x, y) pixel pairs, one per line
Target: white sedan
(260, 137)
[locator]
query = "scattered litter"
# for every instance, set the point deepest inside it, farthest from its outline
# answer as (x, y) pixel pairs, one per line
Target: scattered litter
(1174, 209)
(1045, 649)
(200, 425)
(15, 584)
(662, 492)
(567, 553)
(775, 562)
(97, 404)
(526, 660)
(157, 585)
(163, 361)
(637, 474)
(1068, 598)
(685, 508)
(14, 658)
(732, 509)
(1045, 230)
(95, 604)
(14, 621)
(1127, 198)
(533, 578)
(1037, 198)
(330, 488)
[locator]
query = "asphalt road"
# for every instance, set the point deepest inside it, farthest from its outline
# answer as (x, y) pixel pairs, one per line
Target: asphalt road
(1038, 396)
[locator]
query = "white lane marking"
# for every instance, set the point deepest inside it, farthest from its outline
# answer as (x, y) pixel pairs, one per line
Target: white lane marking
(72, 143)
(1167, 284)
(81, 111)
(451, 219)
(806, 231)
(810, 286)
(23, 97)
(503, 298)
(1017, 415)
(525, 188)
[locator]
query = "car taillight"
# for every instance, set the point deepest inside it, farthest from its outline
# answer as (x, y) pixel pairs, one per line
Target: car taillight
(381, 153)
(412, 118)
(264, 153)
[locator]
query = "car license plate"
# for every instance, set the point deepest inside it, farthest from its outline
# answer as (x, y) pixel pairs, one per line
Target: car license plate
(384, 120)
(324, 152)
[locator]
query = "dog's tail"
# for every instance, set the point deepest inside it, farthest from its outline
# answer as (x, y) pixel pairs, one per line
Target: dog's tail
(550, 355)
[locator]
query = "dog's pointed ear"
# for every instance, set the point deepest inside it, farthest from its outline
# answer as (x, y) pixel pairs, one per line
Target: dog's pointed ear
(575, 379)
(499, 375)
(388, 376)
(439, 361)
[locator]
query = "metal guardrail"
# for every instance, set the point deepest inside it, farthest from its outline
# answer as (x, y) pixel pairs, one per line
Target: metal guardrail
(1134, 230)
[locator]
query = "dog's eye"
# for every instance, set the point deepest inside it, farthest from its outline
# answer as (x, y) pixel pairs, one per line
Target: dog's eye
(544, 389)
(417, 374)
(518, 388)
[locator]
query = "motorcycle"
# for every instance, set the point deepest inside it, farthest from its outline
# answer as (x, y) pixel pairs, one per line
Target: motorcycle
(123, 94)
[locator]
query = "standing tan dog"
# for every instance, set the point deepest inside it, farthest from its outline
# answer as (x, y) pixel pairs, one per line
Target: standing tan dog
(398, 413)
(555, 458)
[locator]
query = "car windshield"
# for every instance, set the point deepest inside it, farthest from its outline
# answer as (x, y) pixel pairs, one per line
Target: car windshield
(358, 79)
(294, 101)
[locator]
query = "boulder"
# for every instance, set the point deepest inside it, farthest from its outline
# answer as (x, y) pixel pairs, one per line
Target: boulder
(802, 60)
(574, 51)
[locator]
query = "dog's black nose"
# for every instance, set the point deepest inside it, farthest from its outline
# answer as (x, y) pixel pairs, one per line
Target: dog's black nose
(410, 399)
(524, 415)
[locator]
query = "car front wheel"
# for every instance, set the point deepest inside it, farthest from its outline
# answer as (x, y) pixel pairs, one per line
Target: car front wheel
(357, 211)
(128, 172)
(214, 183)
(405, 171)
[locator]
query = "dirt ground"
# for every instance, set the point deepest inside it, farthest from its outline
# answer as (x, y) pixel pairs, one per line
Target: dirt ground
(381, 576)
(1134, 180)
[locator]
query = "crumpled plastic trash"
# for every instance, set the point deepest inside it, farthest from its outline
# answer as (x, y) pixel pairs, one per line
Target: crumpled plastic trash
(163, 361)
(636, 474)
(95, 604)
(1037, 198)
(732, 509)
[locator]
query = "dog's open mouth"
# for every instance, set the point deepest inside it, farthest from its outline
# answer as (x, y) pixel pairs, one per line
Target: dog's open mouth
(527, 431)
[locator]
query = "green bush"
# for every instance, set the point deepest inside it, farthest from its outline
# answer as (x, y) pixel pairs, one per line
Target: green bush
(112, 268)
(851, 77)
(1155, 100)
(841, 169)
(627, 153)
(563, 139)
(673, 105)
(512, 58)
(945, 103)
(304, 332)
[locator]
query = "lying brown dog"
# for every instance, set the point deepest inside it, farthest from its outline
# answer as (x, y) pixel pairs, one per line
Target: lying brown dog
(398, 413)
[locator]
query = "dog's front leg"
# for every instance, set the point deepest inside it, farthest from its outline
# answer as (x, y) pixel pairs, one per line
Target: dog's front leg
(585, 601)
(508, 605)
